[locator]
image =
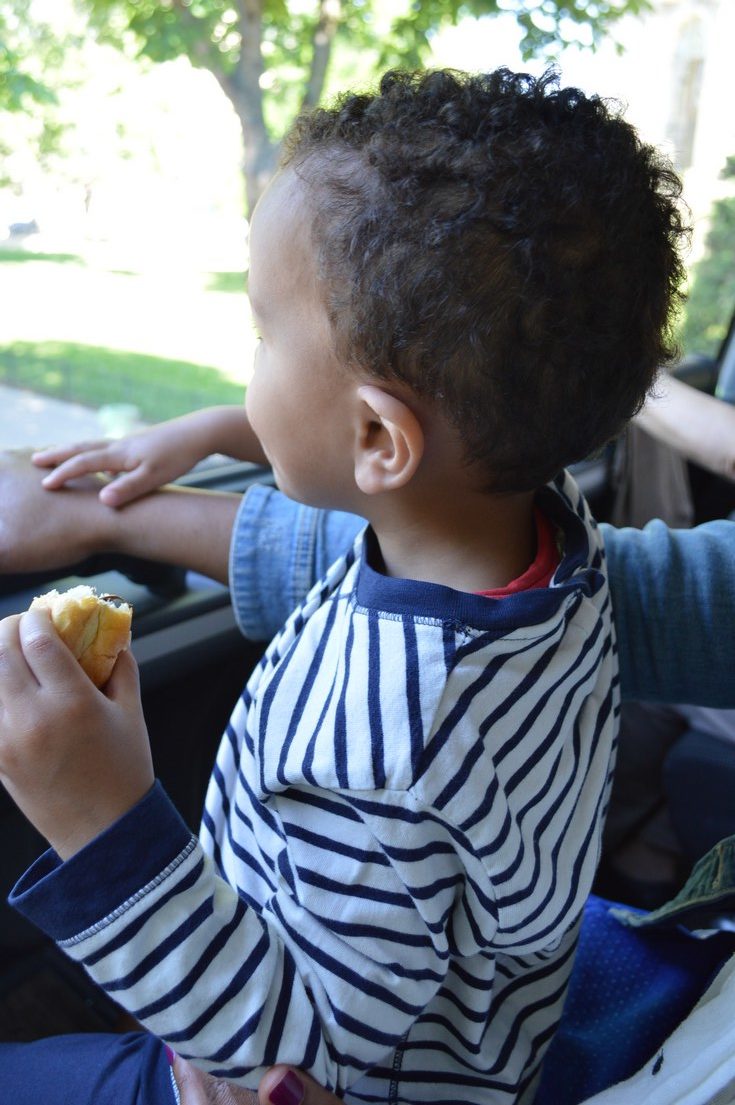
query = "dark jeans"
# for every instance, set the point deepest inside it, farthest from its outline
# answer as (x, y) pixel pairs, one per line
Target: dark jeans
(87, 1069)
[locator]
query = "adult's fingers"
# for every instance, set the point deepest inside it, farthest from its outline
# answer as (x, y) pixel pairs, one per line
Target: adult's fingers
(197, 1088)
(286, 1086)
(191, 1083)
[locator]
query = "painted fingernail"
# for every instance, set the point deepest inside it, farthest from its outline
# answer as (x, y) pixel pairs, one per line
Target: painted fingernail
(170, 1054)
(289, 1090)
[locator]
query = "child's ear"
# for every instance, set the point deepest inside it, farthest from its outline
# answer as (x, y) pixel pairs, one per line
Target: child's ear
(390, 441)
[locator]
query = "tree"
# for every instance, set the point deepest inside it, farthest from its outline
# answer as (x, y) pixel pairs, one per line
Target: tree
(271, 57)
(22, 41)
(711, 299)
(32, 57)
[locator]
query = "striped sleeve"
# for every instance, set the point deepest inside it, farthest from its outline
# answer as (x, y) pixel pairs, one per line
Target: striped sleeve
(352, 921)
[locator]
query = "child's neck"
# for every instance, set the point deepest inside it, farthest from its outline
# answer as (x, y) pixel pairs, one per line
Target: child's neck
(470, 541)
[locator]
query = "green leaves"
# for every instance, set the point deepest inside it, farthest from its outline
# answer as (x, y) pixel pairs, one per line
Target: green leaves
(209, 32)
(270, 57)
(549, 25)
(712, 294)
(26, 51)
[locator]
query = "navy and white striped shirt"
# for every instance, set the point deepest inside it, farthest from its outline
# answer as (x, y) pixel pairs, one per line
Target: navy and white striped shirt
(400, 832)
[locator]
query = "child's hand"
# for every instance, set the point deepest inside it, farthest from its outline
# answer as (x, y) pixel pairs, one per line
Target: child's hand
(73, 758)
(146, 460)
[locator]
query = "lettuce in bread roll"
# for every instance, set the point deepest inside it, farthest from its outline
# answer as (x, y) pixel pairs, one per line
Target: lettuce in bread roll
(95, 627)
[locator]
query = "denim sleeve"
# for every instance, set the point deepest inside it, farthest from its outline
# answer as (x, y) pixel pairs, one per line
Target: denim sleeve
(279, 549)
(673, 597)
(673, 591)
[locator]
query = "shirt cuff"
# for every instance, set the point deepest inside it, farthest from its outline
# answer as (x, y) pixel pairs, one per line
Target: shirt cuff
(64, 898)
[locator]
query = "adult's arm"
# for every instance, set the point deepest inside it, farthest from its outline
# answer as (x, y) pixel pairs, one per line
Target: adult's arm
(673, 591)
(42, 529)
(699, 426)
(673, 597)
(279, 550)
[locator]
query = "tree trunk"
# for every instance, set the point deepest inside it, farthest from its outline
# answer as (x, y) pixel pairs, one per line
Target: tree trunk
(260, 155)
(330, 13)
(243, 88)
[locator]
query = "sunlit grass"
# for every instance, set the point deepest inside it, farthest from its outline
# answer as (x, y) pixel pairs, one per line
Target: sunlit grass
(20, 255)
(227, 281)
(95, 377)
(163, 336)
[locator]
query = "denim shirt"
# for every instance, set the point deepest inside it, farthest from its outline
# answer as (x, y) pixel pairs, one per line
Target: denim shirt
(673, 591)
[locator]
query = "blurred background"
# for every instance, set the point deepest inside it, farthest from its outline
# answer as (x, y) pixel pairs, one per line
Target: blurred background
(136, 136)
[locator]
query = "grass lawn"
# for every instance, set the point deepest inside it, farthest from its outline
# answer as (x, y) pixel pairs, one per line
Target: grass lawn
(166, 339)
(160, 388)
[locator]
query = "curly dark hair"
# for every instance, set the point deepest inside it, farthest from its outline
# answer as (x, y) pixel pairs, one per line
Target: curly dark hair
(506, 247)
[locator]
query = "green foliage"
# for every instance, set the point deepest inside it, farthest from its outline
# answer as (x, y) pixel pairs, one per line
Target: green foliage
(21, 255)
(272, 57)
(36, 65)
(23, 43)
(712, 294)
(227, 282)
(548, 24)
(210, 32)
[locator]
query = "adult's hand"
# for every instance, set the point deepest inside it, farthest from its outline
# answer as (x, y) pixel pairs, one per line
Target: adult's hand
(287, 1086)
(198, 1088)
(39, 530)
(278, 1086)
(42, 529)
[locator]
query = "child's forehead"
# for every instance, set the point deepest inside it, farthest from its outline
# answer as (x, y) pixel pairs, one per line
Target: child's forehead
(282, 215)
(284, 197)
(281, 244)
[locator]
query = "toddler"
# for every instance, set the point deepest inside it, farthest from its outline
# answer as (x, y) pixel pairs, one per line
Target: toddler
(461, 284)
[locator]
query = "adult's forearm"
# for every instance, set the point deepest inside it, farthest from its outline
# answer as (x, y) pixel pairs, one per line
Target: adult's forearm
(673, 594)
(41, 530)
(182, 526)
(697, 425)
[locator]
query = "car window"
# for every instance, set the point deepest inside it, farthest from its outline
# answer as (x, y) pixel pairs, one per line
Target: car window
(123, 233)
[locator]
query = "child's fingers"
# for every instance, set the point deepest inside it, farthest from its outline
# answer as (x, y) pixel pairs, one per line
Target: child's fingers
(47, 657)
(123, 489)
(83, 464)
(124, 683)
(14, 674)
(55, 454)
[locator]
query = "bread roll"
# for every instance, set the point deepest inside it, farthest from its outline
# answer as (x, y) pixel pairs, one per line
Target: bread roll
(95, 627)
